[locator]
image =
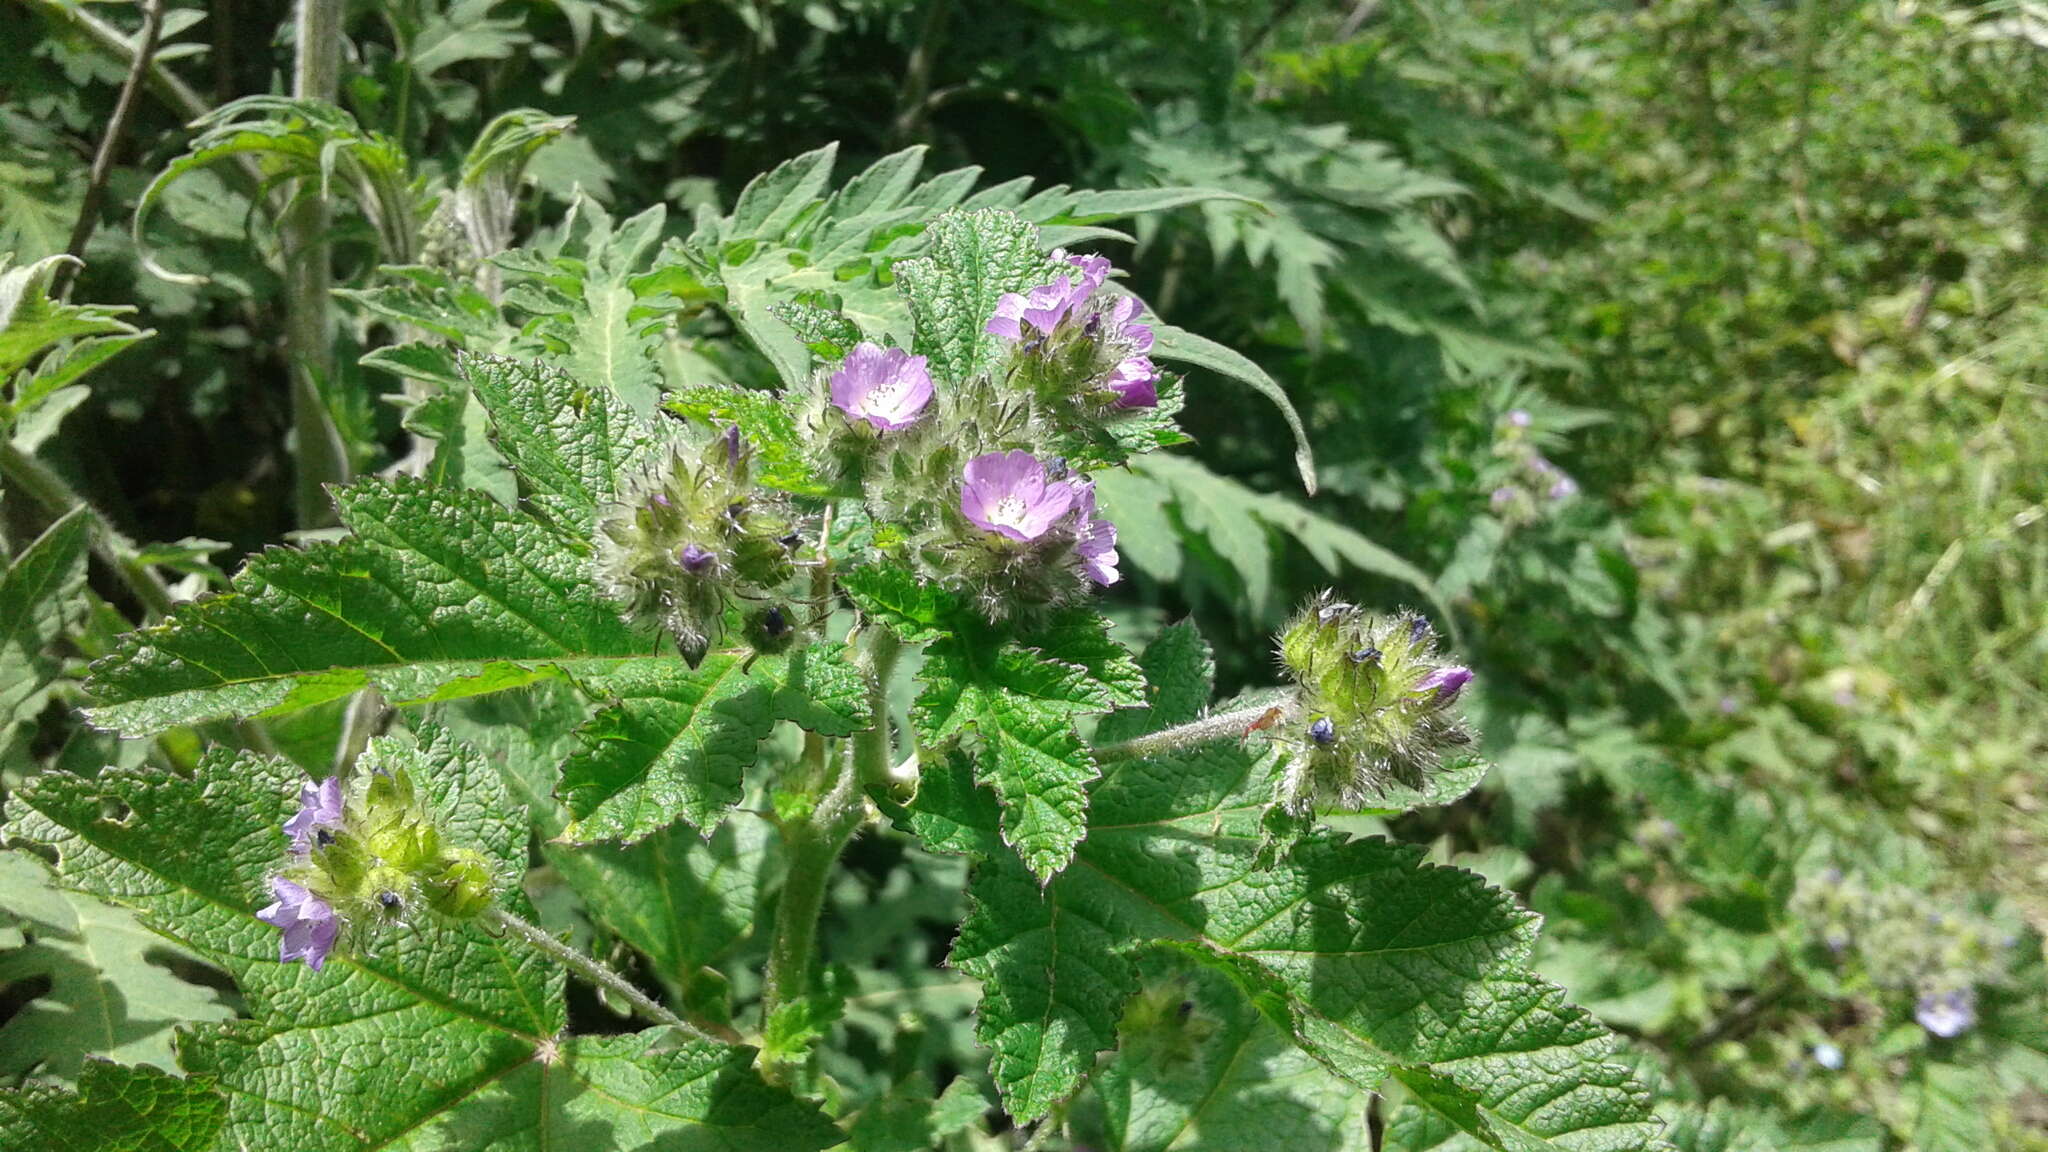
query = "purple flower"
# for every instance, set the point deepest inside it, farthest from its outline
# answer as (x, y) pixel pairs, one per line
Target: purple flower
(1445, 682)
(1094, 269)
(694, 558)
(1518, 417)
(1007, 493)
(887, 387)
(1094, 540)
(1827, 1056)
(1502, 497)
(1323, 731)
(733, 445)
(319, 808)
(307, 921)
(1043, 307)
(1136, 383)
(1564, 487)
(1123, 316)
(1947, 1014)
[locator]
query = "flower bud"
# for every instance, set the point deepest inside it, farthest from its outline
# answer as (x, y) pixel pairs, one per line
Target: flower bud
(373, 859)
(688, 536)
(1377, 704)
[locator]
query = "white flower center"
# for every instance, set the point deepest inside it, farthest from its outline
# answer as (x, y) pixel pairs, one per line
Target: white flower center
(1010, 510)
(886, 396)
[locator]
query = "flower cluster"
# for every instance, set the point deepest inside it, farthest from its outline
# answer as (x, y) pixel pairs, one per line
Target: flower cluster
(1533, 479)
(1376, 704)
(371, 859)
(1934, 960)
(1026, 534)
(1075, 340)
(690, 536)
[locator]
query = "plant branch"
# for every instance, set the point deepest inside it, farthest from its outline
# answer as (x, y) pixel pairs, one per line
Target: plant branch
(1230, 725)
(108, 39)
(117, 127)
(47, 488)
(596, 973)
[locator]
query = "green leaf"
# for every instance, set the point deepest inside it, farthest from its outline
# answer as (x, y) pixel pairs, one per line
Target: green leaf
(39, 596)
(1375, 962)
(673, 742)
(591, 319)
(111, 994)
(440, 592)
(1095, 207)
(1197, 1066)
(1184, 347)
(1955, 1109)
(1230, 515)
(681, 899)
(427, 1035)
(569, 442)
(973, 259)
(770, 426)
(1020, 696)
(916, 611)
(772, 201)
(116, 1109)
(676, 741)
(71, 339)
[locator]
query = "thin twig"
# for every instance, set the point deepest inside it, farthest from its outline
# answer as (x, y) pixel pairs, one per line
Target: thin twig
(117, 127)
(1234, 725)
(596, 973)
(182, 98)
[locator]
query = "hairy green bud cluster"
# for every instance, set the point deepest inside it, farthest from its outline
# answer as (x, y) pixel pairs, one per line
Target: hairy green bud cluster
(1376, 707)
(691, 536)
(385, 860)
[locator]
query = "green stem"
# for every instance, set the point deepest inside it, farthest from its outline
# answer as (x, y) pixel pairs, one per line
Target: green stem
(47, 488)
(309, 323)
(872, 755)
(1222, 726)
(810, 846)
(595, 973)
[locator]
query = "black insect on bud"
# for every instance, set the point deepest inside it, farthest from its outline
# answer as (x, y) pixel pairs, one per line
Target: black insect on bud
(691, 536)
(1379, 700)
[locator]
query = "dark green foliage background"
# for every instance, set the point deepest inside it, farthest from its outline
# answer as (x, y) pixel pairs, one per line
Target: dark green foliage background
(1768, 279)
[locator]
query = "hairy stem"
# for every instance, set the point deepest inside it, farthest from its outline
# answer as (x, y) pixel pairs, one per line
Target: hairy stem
(810, 846)
(309, 323)
(47, 488)
(596, 973)
(871, 749)
(1231, 725)
(117, 128)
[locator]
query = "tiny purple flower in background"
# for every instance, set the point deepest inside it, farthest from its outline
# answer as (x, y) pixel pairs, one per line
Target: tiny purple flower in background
(1136, 383)
(1007, 493)
(1518, 417)
(1730, 705)
(1445, 682)
(1323, 731)
(1094, 540)
(1947, 1014)
(319, 808)
(694, 558)
(1502, 497)
(1827, 1056)
(887, 387)
(1564, 488)
(306, 920)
